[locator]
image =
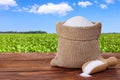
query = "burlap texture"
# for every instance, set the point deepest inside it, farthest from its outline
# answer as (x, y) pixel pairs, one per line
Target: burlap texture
(76, 45)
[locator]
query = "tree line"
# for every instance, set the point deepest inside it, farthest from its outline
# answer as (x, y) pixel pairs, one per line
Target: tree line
(24, 32)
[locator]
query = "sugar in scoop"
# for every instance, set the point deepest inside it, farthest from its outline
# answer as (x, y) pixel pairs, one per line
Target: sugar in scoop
(78, 21)
(89, 67)
(97, 66)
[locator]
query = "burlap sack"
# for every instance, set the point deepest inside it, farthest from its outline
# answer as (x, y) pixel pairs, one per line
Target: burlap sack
(76, 45)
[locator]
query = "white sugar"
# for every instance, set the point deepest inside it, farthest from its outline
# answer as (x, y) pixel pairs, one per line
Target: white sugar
(89, 67)
(92, 65)
(78, 21)
(85, 75)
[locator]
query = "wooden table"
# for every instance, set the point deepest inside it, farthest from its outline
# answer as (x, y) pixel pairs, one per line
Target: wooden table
(35, 66)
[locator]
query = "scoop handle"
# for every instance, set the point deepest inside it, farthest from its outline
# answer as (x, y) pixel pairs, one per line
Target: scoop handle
(111, 61)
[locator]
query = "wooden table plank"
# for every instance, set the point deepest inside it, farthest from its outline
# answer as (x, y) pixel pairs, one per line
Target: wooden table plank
(111, 74)
(26, 56)
(35, 66)
(40, 56)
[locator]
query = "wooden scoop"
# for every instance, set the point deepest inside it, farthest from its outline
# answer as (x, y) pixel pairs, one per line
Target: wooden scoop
(112, 61)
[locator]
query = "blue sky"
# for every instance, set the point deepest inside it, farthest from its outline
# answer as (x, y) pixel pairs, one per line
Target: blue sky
(32, 15)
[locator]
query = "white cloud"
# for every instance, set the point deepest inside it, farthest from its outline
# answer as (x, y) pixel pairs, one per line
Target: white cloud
(22, 9)
(74, 4)
(96, 1)
(8, 3)
(103, 6)
(109, 1)
(34, 8)
(84, 3)
(50, 8)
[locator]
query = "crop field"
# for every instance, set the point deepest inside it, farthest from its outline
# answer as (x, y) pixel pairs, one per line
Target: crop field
(110, 43)
(48, 42)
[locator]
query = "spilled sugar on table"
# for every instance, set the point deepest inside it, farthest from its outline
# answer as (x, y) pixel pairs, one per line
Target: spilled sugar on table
(35, 66)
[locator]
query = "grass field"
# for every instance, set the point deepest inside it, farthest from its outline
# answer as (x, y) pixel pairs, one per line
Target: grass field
(48, 43)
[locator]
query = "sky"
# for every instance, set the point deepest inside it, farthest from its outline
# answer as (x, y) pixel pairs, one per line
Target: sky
(35, 15)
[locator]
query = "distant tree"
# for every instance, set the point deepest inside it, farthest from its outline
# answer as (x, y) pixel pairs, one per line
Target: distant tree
(25, 32)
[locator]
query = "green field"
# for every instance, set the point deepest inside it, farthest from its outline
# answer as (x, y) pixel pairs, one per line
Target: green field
(110, 43)
(48, 42)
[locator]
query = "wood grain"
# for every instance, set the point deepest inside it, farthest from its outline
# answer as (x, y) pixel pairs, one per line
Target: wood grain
(35, 66)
